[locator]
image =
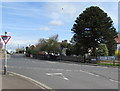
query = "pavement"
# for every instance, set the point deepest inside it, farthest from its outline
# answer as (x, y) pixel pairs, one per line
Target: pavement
(11, 81)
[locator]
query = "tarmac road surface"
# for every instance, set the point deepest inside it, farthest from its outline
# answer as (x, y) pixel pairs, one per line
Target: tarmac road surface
(59, 75)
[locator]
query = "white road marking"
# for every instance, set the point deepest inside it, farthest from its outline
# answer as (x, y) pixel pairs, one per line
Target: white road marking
(98, 75)
(60, 74)
(114, 80)
(65, 78)
(57, 74)
(53, 73)
(90, 73)
(10, 74)
(51, 62)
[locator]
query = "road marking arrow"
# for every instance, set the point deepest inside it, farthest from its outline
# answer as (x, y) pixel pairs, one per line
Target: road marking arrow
(57, 74)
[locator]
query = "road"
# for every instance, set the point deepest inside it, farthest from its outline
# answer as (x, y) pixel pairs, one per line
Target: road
(60, 75)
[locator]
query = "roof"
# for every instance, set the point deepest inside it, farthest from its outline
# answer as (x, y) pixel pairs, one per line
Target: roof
(117, 39)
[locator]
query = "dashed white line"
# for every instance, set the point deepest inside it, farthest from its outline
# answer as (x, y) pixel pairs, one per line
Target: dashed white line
(114, 81)
(65, 78)
(51, 62)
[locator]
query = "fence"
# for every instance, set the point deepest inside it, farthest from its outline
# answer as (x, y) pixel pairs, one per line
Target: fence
(42, 57)
(109, 59)
(67, 58)
(82, 59)
(71, 58)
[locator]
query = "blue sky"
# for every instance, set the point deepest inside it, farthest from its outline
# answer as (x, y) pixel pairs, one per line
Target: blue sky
(27, 22)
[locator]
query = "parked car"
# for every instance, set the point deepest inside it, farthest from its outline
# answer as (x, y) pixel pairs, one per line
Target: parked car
(53, 55)
(43, 55)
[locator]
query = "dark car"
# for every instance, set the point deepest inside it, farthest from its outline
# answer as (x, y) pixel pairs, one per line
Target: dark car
(53, 55)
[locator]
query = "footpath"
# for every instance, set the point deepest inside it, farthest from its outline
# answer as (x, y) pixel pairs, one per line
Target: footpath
(11, 81)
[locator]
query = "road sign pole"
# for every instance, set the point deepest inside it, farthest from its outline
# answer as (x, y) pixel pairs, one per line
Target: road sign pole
(5, 61)
(5, 38)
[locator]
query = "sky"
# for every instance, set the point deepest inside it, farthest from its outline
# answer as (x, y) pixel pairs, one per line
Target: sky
(27, 22)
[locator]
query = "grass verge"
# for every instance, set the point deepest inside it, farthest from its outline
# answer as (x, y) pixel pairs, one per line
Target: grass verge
(107, 64)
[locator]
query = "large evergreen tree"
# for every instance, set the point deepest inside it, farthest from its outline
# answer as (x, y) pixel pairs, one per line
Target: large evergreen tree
(93, 27)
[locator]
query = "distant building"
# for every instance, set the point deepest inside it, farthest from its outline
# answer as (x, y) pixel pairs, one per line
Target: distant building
(65, 41)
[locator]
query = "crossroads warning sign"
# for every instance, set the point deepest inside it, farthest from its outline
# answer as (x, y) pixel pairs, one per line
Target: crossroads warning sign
(5, 38)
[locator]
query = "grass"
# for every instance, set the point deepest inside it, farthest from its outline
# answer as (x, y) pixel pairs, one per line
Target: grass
(108, 64)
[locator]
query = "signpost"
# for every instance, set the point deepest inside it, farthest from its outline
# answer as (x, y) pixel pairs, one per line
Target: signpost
(5, 38)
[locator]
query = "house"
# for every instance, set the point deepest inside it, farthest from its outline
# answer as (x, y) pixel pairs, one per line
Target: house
(1, 44)
(118, 44)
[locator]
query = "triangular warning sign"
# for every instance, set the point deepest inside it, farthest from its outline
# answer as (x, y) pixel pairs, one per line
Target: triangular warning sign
(5, 38)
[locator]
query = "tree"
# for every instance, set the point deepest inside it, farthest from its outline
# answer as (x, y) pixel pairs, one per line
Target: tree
(66, 48)
(93, 27)
(64, 44)
(52, 45)
(42, 45)
(49, 45)
(102, 50)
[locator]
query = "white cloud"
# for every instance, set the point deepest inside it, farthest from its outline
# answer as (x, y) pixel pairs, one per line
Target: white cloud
(27, 14)
(69, 9)
(54, 15)
(22, 43)
(20, 28)
(16, 42)
(26, 9)
(29, 29)
(44, 28)
(62, 11)
(58, 23)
